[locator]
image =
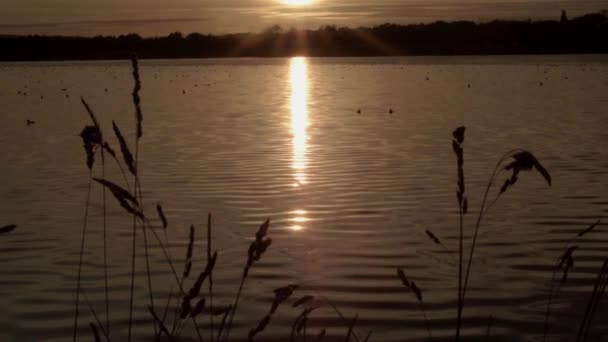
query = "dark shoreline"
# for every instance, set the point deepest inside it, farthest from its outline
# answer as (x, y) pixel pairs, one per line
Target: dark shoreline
(582, 35)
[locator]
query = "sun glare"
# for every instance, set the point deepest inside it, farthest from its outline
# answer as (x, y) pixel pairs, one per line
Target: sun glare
(297, 2)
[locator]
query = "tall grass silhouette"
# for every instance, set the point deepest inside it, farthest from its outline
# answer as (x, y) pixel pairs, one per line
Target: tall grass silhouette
(514, 161)
(190, 299)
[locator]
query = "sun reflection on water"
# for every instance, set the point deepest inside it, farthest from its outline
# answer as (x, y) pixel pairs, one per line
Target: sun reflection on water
(298, 220)
(299, 117)
(298, 70)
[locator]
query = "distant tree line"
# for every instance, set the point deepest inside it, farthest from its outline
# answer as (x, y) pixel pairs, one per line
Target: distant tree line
(585, 34)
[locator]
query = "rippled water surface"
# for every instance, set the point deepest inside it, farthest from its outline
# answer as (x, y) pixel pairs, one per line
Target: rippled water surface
(349, 195)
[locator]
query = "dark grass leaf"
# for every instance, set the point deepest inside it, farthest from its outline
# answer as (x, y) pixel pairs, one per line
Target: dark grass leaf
(95, 332)
(263, 230)
(417, 291)
(196, 288)
(567, 255)
(526, 161)
(505, 185)
(188, 265)
(523, 161)
(543, 172)
(198, 308)
(91, 138)
(124, 148)
(224, 317)
(108, 149)
(7, 229)
(403, 278)
(261, 326)
(136, 99)
(124, 198)
(432, 237)
(117, 190)
(351, 326)
(303, 300)
(566, 262)
(91, 134)
(185, 309)
(458, 134)
(588, 230)
(90, 111)
(161, 324)
(321, 334)
(302, 323)
(280, 295)
(410, 285)
(257, 247)
(465, 206)
(161, 215)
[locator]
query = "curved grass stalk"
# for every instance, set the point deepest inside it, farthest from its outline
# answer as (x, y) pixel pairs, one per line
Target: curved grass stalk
(97, 320)
(234, 307)
(146, 224)
(482, 212)
(105, 248)
(211, 334)
(80, 257)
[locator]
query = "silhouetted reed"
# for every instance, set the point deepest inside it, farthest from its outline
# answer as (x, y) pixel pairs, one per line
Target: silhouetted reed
(564, 264)
(124, 149)
(224, 312)
(457, 142)
(255, 252)
(522, 160)
(161, 216)
(411, 286)
(93, 141)
(489, 329)
(589, 229)
(91, 137)
(96, 318)
(280, 295)
(210, 282)
(432, 236)
(8, 228)
(161, 324)
(298, 328)
(188, 265)
(191, 302)
(599, 288)
(321, 334)
(95, 332)
(351, 326)
(309, 304)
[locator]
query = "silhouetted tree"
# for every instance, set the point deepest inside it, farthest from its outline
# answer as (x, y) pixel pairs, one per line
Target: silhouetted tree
(585, 34)
(175, 36)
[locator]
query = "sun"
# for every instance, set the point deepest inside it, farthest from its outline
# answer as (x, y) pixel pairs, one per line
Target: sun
(297, 2)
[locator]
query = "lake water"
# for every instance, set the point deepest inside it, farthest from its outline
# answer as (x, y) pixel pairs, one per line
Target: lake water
(349, 195)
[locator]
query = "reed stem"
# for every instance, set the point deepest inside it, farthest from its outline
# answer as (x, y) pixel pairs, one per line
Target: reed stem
(82, 242)
(211, 334)
(482, 212)
(105, 246)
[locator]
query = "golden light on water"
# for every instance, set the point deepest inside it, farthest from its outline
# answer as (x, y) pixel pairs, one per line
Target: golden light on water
(299, 117)
(298, 71)
(298, 220)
